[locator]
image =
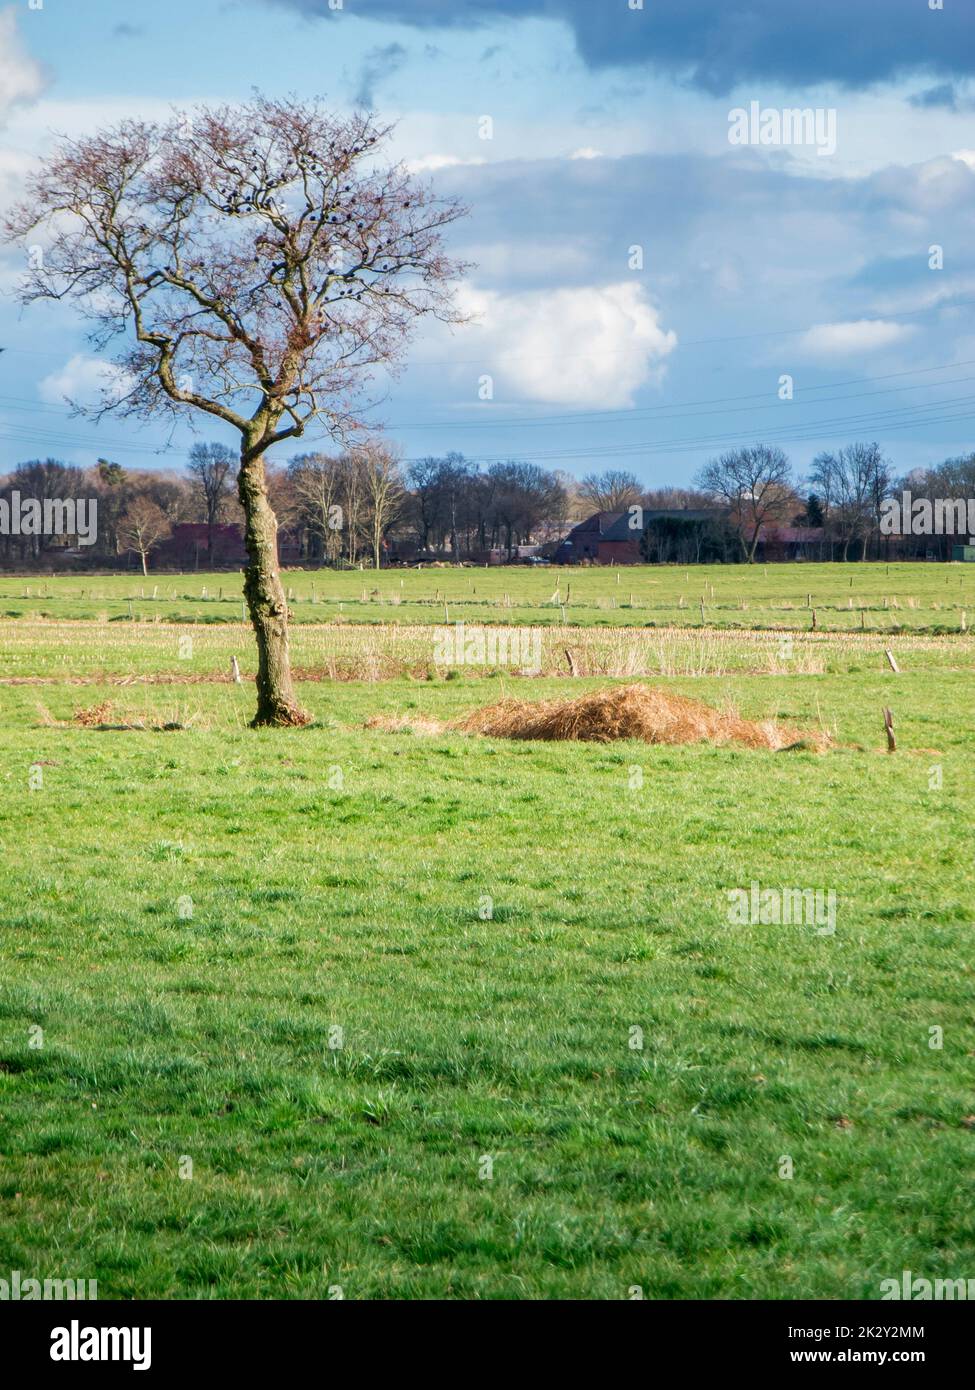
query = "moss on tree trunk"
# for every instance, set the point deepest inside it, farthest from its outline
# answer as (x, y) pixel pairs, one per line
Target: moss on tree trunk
(277, 705)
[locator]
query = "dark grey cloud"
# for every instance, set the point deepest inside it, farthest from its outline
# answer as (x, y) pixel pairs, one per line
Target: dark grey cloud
(716, 44)
(944, 94)
(947, 95)
(379, 64)
(731, 246)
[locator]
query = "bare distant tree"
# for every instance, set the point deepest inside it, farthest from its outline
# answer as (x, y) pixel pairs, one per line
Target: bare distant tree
(264, 262)
(612, 491)
(424, 477)
(353, 505)
(756, 485)
(853, 483)
(521, 497)
(143, 526)
(383, 490)
(442, 494)
(212, 468)
(674, 499)
(45, 480)
(172, 494)
(954, 478)
(317, 481)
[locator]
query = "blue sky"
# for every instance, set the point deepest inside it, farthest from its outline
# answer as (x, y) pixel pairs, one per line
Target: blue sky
(610, 131)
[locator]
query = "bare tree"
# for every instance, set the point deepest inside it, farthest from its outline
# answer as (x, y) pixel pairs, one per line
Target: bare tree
(442, 493)
(674, 499)
(425, 479)
(756, 485)
(853, 483)
(522, 496)
(211, 468)
(612, 491)
(317, 481)
(382, 485)
(44, 481)
(143, 526)
(264, 262)
(353, 506)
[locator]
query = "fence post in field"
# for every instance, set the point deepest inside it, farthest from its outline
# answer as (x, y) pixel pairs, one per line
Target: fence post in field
(893, 664)
(889, 726)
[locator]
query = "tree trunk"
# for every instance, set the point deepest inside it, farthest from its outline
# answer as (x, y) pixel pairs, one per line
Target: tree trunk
(277, 705)
(145, 564)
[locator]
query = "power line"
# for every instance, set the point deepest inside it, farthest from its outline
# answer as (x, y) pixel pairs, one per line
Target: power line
(885, 419)
(619, 416)
(616, 352)
(809, 430)
(624, 417)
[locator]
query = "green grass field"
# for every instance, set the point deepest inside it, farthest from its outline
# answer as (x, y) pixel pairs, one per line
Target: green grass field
(449, 1017)
(890, 597)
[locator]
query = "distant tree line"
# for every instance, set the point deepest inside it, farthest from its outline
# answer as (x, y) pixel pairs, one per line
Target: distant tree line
(364, 506)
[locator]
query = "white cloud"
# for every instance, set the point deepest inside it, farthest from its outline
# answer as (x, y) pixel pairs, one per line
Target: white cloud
(591, 346)
(84, 381)
(21, 79)
(966, 157)
(587, 152)
(844, 339)
(429, 163)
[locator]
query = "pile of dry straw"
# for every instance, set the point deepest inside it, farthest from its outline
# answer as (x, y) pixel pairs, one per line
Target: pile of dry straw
(624, 712)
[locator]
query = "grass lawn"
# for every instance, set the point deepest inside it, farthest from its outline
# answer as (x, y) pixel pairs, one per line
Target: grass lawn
(339, 970)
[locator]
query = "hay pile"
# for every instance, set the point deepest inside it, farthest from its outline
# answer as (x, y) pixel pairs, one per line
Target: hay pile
(630, 711)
